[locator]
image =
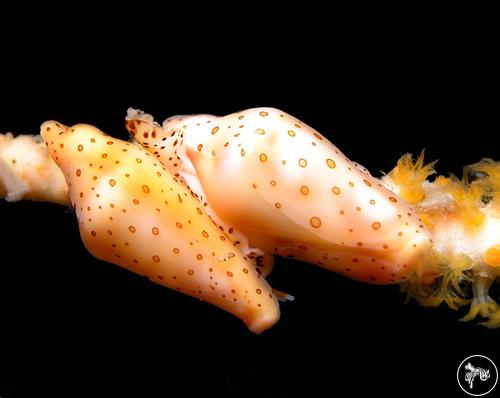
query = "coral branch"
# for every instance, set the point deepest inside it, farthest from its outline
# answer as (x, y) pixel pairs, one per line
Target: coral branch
(28, 172)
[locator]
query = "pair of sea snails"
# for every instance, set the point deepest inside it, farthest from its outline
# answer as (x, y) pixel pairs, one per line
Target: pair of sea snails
(202, 204)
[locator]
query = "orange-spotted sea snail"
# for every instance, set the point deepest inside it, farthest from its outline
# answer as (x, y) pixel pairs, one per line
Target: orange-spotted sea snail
(285, 189)
(134, 213)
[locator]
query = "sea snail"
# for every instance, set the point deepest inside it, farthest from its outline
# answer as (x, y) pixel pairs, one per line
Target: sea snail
(203, 203)
(134, 213)
(289, 191)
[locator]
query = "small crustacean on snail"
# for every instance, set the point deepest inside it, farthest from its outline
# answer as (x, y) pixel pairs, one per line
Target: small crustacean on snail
(287, 191)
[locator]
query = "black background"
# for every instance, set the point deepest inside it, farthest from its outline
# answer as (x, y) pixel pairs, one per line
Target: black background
(376, 86)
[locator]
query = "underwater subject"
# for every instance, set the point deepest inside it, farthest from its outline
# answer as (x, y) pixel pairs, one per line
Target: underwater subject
(201, 204)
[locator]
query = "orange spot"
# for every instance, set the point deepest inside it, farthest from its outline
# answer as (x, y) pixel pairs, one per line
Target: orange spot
(291, 133)
(304, 190)
(155, 231)
(80, 148)
(190, 272)
(131, 228)
(392, 199)
(229, 273)
(200, 146)
(178, 224)
(336, 190)
(156, 258)
(330, 163)
(263, 157)
(78, 172)
(376, 225)
(176, 250)
(112, 182)
(260, 131)
(368, 183)
(215, 129)
(315, 222)
(145, 189)
(242, 152)
(263, 113)
(199, 256)
(302, 162)
(278, 205)
(205, 234)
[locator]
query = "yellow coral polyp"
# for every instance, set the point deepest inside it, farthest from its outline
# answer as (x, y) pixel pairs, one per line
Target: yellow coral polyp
(468, 201)
(488, 172)
(488, 167)
(448, 286)
(410, 175)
